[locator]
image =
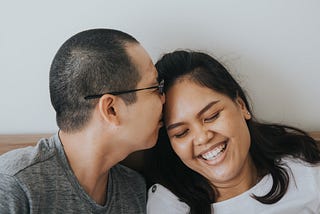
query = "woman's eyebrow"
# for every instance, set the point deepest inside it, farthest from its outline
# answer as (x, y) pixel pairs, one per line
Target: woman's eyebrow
(174, 125)
(208, 106)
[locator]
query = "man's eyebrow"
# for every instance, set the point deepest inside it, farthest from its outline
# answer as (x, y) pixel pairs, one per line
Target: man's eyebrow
(208, 106)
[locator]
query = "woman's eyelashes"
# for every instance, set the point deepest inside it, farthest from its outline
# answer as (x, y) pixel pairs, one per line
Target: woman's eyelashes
(209, 119)
(212, 118)
(181, 134)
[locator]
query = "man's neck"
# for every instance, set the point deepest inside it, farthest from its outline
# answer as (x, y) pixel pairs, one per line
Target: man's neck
(90, 159)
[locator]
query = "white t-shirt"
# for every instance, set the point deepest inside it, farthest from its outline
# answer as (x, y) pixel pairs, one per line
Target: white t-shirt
(302, 197)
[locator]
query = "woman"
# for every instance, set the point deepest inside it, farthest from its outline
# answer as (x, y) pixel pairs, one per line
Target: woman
(212, 156)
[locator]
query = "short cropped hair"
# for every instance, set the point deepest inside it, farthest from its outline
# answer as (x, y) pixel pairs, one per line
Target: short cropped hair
(91, 62)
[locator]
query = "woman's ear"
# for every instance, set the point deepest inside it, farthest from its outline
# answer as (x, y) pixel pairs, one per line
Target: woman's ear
(108, 109)
(243, 108)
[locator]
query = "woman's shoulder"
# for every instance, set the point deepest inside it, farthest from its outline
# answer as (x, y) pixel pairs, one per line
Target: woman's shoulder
(159, 190)
(162, 200)
(299, 165)
(302, 171)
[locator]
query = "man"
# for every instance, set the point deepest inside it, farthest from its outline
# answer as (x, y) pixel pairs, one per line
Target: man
(108, 103)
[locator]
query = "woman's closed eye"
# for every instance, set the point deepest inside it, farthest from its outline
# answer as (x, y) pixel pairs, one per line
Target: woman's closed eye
(212, 117)
(181, 134)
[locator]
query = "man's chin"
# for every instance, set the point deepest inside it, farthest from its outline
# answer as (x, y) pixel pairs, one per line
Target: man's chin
(151, 145)
(152, 142)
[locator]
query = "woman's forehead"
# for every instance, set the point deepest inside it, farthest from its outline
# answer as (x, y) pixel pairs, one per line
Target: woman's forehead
(188, 98)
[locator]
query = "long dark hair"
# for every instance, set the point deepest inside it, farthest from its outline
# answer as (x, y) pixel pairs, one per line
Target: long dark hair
(269, 142)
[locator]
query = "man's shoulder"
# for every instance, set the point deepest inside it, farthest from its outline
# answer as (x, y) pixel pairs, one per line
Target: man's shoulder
(128, 189)
(17, 160)
(124, 174)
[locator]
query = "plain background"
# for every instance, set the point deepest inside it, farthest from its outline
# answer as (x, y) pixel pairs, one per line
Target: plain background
(271, 46)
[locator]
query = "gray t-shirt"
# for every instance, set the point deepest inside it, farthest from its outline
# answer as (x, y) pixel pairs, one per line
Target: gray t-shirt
(39, 180)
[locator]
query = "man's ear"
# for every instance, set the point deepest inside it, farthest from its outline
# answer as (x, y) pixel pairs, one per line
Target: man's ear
(108, 108)
(243, 108)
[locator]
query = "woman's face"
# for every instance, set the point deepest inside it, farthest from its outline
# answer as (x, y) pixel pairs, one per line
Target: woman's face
(208, 131)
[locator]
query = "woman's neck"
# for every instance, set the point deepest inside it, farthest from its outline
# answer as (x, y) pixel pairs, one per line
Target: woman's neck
(240, 184)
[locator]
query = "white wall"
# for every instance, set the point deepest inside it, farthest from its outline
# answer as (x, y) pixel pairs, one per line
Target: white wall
(272, 47)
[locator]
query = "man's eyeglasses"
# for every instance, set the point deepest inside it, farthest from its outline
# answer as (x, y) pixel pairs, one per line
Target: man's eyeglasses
(159, 87)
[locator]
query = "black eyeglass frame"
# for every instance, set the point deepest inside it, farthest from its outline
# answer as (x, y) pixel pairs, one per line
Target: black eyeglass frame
(95, 96)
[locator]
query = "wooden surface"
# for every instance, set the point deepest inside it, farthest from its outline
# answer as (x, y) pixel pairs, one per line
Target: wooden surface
(316, 135)
(9, 142)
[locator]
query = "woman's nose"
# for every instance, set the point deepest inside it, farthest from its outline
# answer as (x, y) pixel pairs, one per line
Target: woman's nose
(202, 136)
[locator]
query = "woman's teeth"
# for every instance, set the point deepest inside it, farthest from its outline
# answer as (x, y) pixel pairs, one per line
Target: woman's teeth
(214, 153)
